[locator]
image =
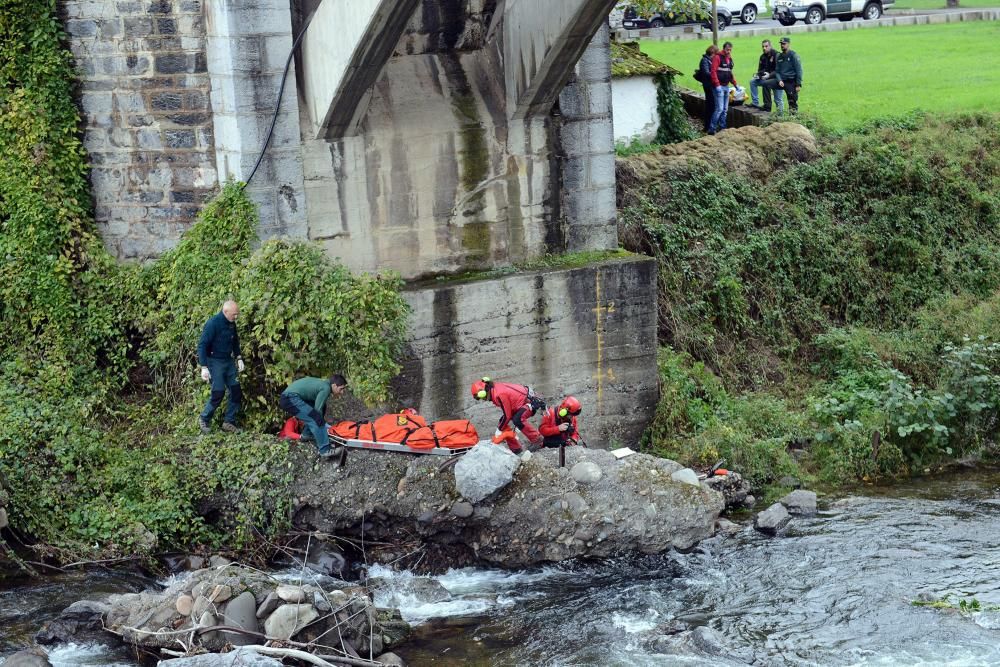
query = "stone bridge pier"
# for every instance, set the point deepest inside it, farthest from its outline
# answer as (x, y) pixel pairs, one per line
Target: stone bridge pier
(428, 137)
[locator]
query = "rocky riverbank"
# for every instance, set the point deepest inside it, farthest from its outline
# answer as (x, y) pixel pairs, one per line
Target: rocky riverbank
(495, 508)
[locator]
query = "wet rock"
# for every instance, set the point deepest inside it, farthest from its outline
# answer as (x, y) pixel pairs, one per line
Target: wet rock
(484, 470)
(270, 603)
(749, 501)
(687, 476)
(708, 640)
(239, 658)
(195, 562)
(293, 594)
(790, 482)
(391, 660)
(733, 488)
(32, 657)
(185, 604)
(218, 561)
(462, 510)
(85, 616)
(326, 559)
(586, 472)
(773, 519)
(289, 619)
(800, 502)
(241, 612)
(210, 639)
(727, 527)
(322, 602)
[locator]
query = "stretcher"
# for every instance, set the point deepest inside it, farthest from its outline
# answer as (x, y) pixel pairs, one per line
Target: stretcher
(355, 443)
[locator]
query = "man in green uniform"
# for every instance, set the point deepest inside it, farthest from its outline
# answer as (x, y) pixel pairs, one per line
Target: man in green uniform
(305, 399)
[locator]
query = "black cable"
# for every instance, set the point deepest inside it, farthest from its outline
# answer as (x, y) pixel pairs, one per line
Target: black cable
(281, 92)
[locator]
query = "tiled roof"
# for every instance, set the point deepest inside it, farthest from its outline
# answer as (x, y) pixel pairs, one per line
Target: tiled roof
(628, 60)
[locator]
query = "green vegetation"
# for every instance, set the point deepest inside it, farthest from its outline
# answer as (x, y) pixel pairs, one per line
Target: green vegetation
(856, 294)
(856, 75)
(99, 454)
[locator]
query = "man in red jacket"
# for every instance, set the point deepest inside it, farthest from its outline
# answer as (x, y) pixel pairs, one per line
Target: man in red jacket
(517, 403)
(559, 424)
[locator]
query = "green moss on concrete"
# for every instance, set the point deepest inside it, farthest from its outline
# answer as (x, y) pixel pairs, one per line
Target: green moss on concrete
(547, 262)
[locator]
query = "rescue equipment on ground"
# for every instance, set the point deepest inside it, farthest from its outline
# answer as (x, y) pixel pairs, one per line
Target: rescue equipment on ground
(404, 431)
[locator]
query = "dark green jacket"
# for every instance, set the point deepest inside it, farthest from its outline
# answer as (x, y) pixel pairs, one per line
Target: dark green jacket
(789, 68)
(311, 390)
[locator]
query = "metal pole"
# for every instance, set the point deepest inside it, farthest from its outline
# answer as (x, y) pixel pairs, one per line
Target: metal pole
(715, 23)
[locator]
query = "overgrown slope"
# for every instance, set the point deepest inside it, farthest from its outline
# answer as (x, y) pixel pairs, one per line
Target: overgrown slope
(831, 298)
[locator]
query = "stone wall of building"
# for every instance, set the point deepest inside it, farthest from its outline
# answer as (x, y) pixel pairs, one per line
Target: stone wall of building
(589, 332)
(148, 127)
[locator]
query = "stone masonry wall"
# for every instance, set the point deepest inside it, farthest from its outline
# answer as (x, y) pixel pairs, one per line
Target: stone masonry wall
(589, 332)
(144, 98)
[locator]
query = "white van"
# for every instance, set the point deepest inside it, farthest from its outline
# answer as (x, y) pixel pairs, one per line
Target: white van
(787, 12)
(744, 10)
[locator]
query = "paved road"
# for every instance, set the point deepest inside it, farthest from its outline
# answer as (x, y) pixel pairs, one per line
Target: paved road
(761, 22)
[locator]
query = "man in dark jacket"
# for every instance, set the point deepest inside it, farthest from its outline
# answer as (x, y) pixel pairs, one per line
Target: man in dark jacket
(220, 359)
(787, 77)
(705, 76)
(765, 71)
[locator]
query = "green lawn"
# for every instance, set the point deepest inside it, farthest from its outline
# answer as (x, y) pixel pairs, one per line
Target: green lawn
(940, 4)
(855, 75)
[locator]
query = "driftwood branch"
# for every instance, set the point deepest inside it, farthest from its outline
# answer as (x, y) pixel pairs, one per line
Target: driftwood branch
(319, 661)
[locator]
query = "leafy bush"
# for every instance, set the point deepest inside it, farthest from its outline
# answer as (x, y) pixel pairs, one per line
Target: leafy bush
(94, 464)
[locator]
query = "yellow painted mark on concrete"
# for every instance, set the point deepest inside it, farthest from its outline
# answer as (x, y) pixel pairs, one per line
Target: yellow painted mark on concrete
(600, 312)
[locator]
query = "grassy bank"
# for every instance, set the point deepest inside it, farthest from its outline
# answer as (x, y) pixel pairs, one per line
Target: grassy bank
(839, 298)
(856, 75)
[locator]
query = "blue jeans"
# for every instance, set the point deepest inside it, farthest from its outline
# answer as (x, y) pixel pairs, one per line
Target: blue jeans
(223, 377)
(721, 108)
(757, 85)
(293, 405)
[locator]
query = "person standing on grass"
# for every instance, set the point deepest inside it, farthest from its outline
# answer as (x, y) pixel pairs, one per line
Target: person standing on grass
(722, 77)
(704, 74)
(220, 359)
(787, 77)
(765, 70)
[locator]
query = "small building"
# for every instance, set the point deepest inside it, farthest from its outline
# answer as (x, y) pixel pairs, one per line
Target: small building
(635, 81)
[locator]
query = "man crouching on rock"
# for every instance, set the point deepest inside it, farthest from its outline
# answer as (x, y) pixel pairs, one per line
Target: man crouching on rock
(305, 399)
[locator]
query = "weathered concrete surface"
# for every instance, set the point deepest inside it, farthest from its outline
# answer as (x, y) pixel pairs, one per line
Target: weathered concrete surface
(589, 332)
(543, 515)
(147, 119)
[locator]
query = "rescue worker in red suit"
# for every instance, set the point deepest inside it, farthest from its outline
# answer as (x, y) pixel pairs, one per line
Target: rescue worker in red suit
(517, 403)
(559, 424)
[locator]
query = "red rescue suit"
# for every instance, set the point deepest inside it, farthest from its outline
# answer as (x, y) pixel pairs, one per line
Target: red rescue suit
(550, 429)
(512, 399)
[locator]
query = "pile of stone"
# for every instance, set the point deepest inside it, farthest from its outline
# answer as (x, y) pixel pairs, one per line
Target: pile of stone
(230, 606)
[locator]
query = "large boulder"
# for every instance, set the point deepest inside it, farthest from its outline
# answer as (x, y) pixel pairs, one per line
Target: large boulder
(33, 657)
(545, 513)
(484, 470)
(80, 619)
(800, 502)
(772, 520)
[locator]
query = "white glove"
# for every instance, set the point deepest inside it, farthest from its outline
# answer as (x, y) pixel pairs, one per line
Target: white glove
(205, 375)
(239, 365)
(563, 427)
(498, 433)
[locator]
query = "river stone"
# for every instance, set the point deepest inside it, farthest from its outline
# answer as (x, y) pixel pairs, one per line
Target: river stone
(800, 502)
(462, 510)
(241, 657)
(208, 620)
(220, 594)
(687, 476)
(391, 660)
(293, 594)
(241, 612)
(185, 603)
(586, 472)
(289, 619)
(195, 562)
(773, 519)
(270, 603)
(33, 657)
(200, 606)
(322, 605)
(708, 640)
(219, 561)
(484, 470)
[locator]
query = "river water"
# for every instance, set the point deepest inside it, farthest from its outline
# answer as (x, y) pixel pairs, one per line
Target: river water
(835, 589)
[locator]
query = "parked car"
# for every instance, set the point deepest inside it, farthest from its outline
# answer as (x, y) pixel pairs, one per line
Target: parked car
(746, 11)
(787, 12)
(632, 20)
